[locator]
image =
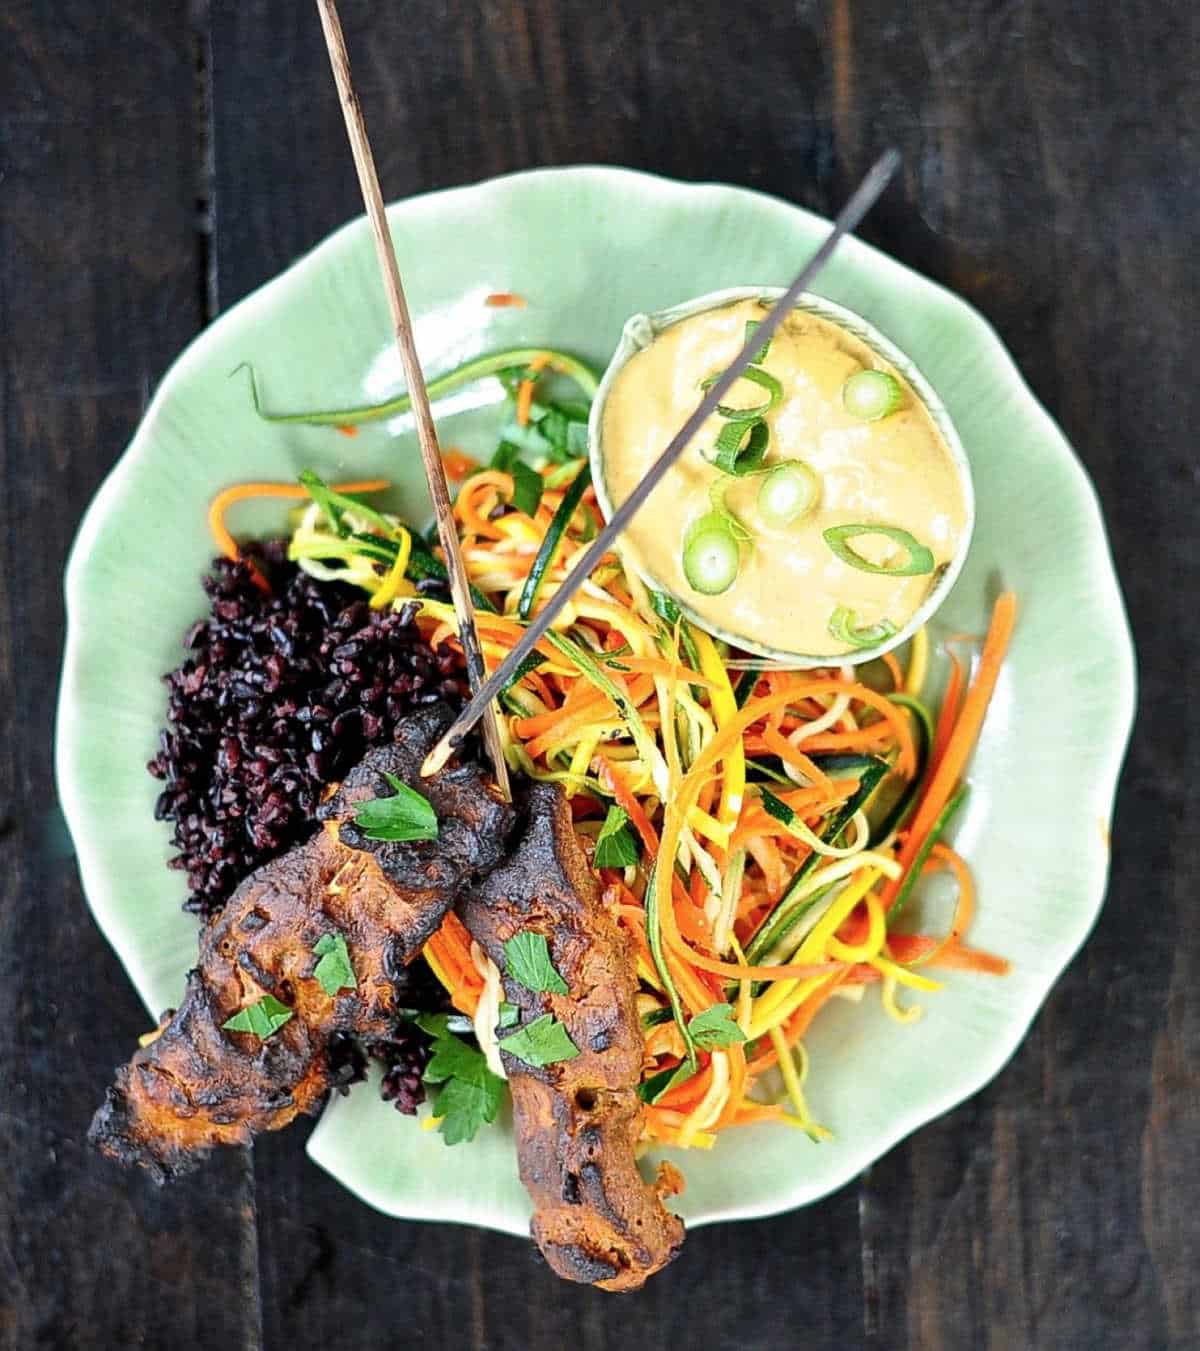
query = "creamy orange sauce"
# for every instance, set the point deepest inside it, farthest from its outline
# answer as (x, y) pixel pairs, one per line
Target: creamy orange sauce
(897, 471)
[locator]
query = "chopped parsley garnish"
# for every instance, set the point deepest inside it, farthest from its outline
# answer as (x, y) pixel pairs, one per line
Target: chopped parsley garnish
(557, 429)
(504, 456)
(510, 1015)
(334, 971)
(715, 1027)
(469, 1094)
(527, 487)
(615, 847)
(527, 961)
(405, 816)
(545, 1041)
(263, 1018)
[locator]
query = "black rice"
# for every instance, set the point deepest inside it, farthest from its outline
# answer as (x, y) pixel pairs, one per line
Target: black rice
(281, 694)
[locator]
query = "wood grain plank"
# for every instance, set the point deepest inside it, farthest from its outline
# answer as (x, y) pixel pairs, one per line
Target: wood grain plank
(97, 292)
(456, 91)
(1058, 1209)
(333, 1271)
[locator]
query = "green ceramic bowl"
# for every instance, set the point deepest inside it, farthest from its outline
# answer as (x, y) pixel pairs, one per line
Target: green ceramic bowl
(588, 247)
(639, 332)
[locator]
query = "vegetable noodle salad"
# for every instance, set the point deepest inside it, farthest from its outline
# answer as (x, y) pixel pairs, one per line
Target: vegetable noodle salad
(757, 831)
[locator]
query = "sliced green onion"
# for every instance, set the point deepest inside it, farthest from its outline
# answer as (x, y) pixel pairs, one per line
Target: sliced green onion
(716, 495)
(919, 562)
(752, 326)
(757, 376)
(548, 550)
(842, 626)
(741, 447)
(492, 364)
(871, 395)
(527, 488)
(710, 555)
(788, 492)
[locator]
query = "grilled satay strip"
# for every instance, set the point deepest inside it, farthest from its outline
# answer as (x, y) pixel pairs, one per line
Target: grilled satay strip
(197, 1085)
(577, 1121)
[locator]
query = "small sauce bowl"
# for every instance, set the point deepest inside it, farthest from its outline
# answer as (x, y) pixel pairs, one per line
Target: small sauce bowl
(641, 330)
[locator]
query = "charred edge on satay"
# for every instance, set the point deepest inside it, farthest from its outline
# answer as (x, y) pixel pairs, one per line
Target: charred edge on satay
(197, 1085)
(577, 1121)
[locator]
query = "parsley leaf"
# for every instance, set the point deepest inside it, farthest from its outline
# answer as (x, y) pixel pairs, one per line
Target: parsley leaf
(464, 1106)
(470, 1094)
(263, 1018)
(504, 456)
(541, 1042)
(614, 845)
(527, 961)
(715, 1027)
(527, 487)
(405, 816)
(335, 971)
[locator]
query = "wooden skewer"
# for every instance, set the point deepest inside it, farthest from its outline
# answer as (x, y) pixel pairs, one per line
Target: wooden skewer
(368, 179)
(855, 209)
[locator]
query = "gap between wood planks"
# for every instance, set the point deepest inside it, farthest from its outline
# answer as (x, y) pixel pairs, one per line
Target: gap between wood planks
(204, 177)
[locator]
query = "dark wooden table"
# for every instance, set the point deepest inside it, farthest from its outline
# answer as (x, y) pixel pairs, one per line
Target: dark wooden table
(158, 160)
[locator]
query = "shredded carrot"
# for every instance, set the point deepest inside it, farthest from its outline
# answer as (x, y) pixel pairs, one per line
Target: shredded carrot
(240, 492)
(894, 671)
(912, 948)
(961, 741)
(525, 388)
(505, 299)
(779, 745)
(618, 786)
(949, 713)
(448, 952)
(348, 430)
(457, 465)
